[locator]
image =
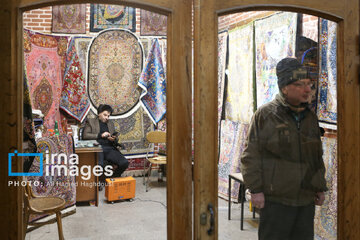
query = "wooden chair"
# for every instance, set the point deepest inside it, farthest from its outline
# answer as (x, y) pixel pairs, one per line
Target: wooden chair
(40, 205)
(238, 177)
(154, 137)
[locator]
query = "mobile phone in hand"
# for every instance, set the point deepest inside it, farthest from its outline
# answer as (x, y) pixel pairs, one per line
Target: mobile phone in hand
(115, 134)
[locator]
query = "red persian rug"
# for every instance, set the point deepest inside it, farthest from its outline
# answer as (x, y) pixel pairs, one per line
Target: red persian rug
(45, 64)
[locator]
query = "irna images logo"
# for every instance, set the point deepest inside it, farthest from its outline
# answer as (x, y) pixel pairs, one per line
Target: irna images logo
(11, 155)
(61, 164)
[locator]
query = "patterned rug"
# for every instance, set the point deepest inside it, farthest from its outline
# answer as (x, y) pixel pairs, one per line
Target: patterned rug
(152, 24)
(29, 143)
(222, 53)
(326, 215)
(69, 18)
(115, 64)
(58, 185)
(104, 16)
(45, 63)
(326, 107)
(136, 167)
(74, 99)
(81, 46)
(239, 106)
(232, 144)
(146, 43)
(275, 38)
(133, 130)
(153, 83)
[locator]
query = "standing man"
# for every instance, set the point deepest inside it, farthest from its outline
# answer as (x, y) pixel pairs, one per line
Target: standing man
(101, 129)
(282, 163)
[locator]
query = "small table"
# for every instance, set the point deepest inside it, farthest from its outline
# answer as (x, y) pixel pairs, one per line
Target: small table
(87, 190)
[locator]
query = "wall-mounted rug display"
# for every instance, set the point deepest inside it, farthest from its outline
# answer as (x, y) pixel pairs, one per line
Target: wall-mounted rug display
(70, 18)
(275, 38)
(222, 52)
(114, 68)
(130, 128)
(152, 24)
(163, 47)
(326, 215)
(327, 103)
(239, 104)
(29, 143)
(232, 144)
(309, 59)
(133, 130)
(161, 126)
(74, 99)
(45, 64)
(146, 43)
(153, 83)
(81, 46)
(55, 183)
(105, 16)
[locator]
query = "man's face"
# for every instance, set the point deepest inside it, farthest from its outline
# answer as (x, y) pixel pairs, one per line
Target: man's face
(298, 92)
(104, 116)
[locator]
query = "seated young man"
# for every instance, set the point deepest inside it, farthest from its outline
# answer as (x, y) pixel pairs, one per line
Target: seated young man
(102, 130)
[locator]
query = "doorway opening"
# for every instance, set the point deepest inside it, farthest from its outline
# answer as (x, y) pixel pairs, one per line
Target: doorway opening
(250, 44)
(77, 57)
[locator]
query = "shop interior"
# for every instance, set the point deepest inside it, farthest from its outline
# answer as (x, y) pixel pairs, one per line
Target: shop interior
(77, 57)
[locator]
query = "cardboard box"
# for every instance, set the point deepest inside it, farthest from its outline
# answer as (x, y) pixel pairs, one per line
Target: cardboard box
(120, 188)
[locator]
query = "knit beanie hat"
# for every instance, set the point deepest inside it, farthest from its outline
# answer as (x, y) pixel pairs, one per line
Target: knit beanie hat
(104, 107)
(289, 70)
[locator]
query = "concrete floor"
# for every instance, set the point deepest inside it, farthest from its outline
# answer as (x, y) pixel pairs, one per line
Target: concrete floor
(143, 218)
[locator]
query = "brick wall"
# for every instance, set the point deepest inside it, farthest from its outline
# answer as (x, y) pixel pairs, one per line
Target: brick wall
(40, 20)
(310, 27)
(230, 21)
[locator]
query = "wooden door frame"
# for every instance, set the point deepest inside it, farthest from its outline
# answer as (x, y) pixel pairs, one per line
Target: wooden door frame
(205, 70)
(179, 180)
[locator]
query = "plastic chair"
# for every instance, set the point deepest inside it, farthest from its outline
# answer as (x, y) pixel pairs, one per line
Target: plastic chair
(40, 205)
(153, 137)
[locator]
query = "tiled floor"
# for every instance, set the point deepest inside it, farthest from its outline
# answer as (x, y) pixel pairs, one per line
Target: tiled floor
(143, 218)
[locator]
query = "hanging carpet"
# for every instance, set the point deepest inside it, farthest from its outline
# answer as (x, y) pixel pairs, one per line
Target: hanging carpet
(133, 130)
(74, 99)
(29, 143)
(325, 221)
(152, 24)
(232, 144)
(239, 106)
(81, 46)
(222, 50)
(275, 38)
(115, 64)
(105, 16)
(70, 18)
(57, 184)
(45, 63)
(153, 83)
(327, 102)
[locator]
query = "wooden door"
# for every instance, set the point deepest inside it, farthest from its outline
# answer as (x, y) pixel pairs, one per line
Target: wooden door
(346, 14)
(179, 181)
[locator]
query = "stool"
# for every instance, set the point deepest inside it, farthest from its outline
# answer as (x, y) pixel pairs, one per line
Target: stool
(239, 178)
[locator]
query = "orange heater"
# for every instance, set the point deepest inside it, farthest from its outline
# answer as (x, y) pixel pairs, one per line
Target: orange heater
(120, 188)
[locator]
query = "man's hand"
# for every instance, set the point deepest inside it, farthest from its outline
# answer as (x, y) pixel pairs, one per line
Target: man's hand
(105, 134)
(319, 198)
(258, 200)
(111, 138)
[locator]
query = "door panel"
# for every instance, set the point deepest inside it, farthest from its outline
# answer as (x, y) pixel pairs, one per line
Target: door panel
(205, 69)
